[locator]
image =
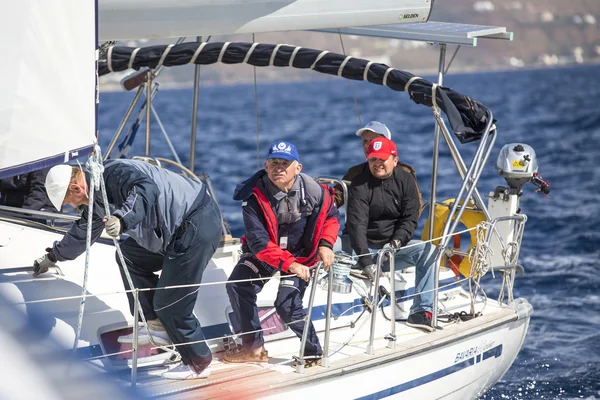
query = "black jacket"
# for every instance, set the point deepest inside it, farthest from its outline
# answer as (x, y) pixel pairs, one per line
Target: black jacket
(380, 211)
(26, 191)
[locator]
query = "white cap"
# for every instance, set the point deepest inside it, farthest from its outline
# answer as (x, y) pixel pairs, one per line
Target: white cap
(57, 183)
(376, 127)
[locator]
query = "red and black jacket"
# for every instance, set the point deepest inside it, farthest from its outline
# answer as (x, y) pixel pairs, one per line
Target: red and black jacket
(318, 225)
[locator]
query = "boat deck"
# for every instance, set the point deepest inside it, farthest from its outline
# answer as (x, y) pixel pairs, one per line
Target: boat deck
(234, 381)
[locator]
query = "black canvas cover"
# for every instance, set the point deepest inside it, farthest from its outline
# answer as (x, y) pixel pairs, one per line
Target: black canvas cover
(467, 116)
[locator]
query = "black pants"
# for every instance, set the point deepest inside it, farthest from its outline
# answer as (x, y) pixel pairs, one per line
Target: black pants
(188, 254)
(242, 296)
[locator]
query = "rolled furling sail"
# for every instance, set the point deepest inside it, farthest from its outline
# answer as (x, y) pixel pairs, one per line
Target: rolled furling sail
(466, 116)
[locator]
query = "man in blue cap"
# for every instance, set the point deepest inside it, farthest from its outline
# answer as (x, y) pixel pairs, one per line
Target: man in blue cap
(290, 223)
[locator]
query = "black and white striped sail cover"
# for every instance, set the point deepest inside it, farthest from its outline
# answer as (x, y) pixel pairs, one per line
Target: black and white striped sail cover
(466, 116)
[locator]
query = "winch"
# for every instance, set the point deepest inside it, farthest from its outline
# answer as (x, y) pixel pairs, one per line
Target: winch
(340, 269)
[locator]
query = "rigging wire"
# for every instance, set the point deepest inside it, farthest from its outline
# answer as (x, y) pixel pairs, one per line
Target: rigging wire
(256, 113)
(451, 59)
(351, 84)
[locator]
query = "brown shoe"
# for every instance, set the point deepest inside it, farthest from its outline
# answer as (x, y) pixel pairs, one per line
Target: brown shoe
(309, 362)
(259, 355)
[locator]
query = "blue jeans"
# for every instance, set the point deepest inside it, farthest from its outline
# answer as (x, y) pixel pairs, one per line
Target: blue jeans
(416, 254)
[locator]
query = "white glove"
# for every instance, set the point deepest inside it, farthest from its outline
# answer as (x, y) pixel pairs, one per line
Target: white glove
(113, 226)
(42, 264)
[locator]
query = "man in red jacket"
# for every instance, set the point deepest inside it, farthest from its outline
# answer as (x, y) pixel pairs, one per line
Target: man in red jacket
(290, 223)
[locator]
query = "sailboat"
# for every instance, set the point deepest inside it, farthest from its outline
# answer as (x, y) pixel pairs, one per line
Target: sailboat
(368, 351)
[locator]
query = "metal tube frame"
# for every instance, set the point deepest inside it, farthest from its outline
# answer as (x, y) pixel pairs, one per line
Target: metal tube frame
(434, 169)
(330, 180)
(313, 290)
(140, 112)
(436, 148)
(470, 180)
(148, 108)
(392, 336)
(134, 345)
(124, 121)
(325, 359)
(462, 170)
(460, 165)
(131, 107)
(195, 112)
(370, 349)
(51, 215)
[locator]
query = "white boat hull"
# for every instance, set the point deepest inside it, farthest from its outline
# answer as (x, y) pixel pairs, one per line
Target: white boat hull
(464, 369)
(458, 362)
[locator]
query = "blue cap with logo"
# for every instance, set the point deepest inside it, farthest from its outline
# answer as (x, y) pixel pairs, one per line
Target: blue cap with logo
(283, 150)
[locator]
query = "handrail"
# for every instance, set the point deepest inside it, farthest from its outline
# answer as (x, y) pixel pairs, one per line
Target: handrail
(380, 258)
(342, 183)
(49, 214)
(300, 365)
(56, 268)
(325, 361)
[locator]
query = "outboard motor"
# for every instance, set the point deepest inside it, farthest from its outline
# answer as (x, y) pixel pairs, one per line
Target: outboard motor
(517, 164)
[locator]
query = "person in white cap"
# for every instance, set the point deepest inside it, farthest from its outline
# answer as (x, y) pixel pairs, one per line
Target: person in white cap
(173, 225)
(372, 130)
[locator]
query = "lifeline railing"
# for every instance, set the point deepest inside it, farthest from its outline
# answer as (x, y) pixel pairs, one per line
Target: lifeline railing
(509, 268)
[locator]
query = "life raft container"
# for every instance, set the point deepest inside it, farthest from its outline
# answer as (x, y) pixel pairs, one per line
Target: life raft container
(471, 218)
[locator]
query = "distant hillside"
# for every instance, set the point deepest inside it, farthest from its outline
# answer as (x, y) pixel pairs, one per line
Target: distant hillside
(546, 32)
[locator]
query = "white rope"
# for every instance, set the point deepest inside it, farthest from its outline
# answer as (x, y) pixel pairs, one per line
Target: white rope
(341, 68)
(421, 242)
(197, 53)
(410, 81)
(321, 55)
(274, 54)
(249, 53)
(296, 50)
(109, 58)
(366, 72)
(385, 76)
(223, 50)
(132, 57)
(95, 174)
(164, 55)
(144, 290)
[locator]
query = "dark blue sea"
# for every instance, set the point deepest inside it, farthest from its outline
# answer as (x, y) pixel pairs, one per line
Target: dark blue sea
(556, 111)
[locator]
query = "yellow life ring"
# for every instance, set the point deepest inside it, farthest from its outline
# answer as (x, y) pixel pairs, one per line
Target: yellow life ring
(470, 219)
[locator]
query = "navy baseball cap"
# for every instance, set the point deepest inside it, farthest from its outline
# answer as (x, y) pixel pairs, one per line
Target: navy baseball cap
(283, 150)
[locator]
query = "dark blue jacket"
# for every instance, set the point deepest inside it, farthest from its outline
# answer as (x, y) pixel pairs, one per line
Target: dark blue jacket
(150, 201)
(317, 226)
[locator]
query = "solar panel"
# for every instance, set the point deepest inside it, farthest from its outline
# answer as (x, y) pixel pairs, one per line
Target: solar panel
(437, 32)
